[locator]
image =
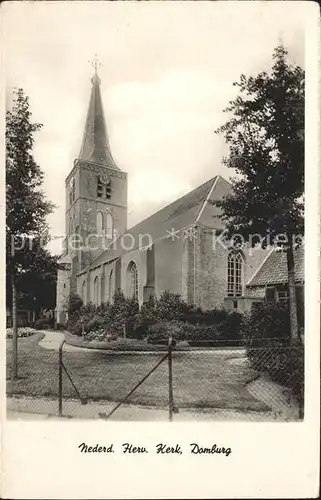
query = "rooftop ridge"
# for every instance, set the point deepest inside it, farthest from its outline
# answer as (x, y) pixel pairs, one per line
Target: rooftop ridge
(163, 219)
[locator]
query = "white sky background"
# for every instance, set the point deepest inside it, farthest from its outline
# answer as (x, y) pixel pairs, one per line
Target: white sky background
(167, 74)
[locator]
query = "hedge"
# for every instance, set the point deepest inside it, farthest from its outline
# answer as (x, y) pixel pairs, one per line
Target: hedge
(143, 322)
(267, 337)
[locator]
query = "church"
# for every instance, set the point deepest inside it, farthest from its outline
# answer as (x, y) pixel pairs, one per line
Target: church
(178, 248)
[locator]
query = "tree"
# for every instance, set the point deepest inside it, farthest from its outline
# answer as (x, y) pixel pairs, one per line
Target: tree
(26, 205)
(36, 283)
(265, 135)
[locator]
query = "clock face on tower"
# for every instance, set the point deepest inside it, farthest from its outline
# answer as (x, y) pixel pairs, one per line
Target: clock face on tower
(104, 179)
(104, 186)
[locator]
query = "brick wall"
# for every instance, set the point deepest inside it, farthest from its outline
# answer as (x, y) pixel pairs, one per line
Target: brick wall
(212, 271)
(211, 275)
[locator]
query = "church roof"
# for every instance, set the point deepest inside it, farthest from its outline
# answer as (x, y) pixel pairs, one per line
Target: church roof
(273, 271)
(196, 206)
(95, 144)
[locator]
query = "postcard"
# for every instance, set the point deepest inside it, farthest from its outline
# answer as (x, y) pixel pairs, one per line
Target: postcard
(161, 271)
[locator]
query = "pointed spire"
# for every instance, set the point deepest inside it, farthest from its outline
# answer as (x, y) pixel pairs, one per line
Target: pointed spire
(95, 144)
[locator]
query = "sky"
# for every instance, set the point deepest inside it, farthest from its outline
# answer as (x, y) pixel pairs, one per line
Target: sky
(167, 74)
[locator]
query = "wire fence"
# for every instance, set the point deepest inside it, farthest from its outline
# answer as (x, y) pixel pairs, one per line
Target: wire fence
(262, 381)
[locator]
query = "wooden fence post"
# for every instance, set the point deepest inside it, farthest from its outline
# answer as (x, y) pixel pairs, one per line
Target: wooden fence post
(60, 379)
(170, 380)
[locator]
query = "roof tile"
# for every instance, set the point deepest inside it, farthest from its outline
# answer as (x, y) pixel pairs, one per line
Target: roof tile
(274, 269)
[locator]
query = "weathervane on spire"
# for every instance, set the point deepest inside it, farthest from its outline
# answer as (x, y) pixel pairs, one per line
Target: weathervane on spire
(95, 63)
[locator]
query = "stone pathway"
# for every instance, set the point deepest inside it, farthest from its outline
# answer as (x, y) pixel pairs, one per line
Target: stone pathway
(277, 397)
(29, 408)
(53, 339)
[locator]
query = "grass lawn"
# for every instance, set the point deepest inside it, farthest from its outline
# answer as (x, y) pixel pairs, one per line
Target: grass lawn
(215, 379)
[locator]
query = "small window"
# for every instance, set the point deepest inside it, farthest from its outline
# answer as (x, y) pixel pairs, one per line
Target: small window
(108, 189)
(100, 223)
(283, 295)
(99, 187)
(109, 225)
(103, 187)
(270, 294)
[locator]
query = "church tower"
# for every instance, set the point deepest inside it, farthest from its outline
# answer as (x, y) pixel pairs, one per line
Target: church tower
(96, 190)
(96, 199)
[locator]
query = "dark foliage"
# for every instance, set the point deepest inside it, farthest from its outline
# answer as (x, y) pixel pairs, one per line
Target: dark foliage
(159, 333)
(170, 312)
(43, 323)
(268, 320)
(265, 135)
(26, 210)
(75, 304)
(267, 336)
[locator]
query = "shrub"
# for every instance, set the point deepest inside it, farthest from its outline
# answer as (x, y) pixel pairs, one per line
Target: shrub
(159, 333)
(84, 314)
(104, 332)
(215, 316)
(60, 326)
(23, 331)
(170, 306)
(119, 308)
(194, 315)
(267, 338)
(98, 335)
(88, 310)
(145, 318)
(76, 328)
(97, 328)
(267, 321)
(43, 323)
(230, 327)
(285, 365)
(75, 304)
(228, 330)
(94, 324)
(204, 335)
(130, 319)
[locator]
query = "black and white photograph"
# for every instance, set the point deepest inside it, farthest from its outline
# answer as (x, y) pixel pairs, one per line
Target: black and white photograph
(155, 193)
(155, 223)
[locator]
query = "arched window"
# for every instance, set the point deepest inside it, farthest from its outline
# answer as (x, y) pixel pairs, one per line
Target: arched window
(99, 187)
(110, 286)
(132, 280)
(96, 291)
(100, 223)
(109, 225)
(234, 274)
(84, 292)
